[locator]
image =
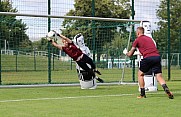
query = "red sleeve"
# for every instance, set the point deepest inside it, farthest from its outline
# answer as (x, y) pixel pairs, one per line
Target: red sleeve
(135, 43)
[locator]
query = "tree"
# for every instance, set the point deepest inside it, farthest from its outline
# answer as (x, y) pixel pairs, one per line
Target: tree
(11, 29)
(105, 31)
(41, 45)
(117, 45)
(160, 35)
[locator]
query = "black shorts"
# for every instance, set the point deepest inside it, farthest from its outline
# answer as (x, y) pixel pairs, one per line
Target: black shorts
(83, 63)
(84, 75)
(153, 63)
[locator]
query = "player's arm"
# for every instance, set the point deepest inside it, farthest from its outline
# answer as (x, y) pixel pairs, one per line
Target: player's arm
(131, 52)
(67, 39)
(56, 45)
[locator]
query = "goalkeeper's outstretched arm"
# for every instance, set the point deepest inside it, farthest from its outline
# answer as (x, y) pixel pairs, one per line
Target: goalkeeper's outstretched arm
(56, 45)
(65, 38)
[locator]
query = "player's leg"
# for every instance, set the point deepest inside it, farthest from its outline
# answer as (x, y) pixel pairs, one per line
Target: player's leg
(141, 84)
(99, 79)
(157, 69)
(164, 85)
(87, 81)
(91, 73)
(86, 75)
(88, 60)
(143, 68)
(85, 67)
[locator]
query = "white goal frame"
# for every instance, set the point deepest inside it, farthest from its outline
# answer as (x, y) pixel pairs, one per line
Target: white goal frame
(75, 17)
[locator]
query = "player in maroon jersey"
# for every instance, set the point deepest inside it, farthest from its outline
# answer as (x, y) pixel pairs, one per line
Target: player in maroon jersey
(76, 54)
(151, 60)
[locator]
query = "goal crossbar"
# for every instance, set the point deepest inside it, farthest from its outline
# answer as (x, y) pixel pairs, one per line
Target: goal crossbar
(71, 17)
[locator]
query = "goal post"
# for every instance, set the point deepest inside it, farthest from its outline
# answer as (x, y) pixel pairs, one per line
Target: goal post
(112, 36)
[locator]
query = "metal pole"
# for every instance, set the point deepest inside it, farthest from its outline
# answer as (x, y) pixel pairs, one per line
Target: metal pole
(5, 46)
(16, 57)
(180, 50)
(133, 36)
(93, 29)
(0, 52)
(168, 40)
(0, 58)
(35, 59)
(71, 17)
(17, 50)
(49, 47)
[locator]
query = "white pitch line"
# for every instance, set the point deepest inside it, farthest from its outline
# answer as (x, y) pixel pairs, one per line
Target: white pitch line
(79, 97)
(61, 98)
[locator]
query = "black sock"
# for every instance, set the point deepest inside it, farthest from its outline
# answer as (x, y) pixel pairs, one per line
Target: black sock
(142, 91)
(166, 89)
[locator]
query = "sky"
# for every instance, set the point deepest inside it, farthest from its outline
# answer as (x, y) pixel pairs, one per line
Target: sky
(144, 9)
(37, 27)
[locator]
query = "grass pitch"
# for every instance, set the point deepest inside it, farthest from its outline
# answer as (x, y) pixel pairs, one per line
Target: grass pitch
(105, 101)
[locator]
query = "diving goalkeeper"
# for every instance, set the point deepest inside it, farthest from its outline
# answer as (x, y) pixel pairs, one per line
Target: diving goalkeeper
(76, 54)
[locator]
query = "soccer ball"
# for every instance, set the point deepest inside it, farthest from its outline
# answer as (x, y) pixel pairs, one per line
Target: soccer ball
(52, 35)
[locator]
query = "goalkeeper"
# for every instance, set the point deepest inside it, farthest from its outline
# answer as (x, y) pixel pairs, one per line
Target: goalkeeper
(86, 81)
(76, 54)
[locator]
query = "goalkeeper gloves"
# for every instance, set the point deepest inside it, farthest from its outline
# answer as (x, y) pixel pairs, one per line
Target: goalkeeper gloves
(125, 51)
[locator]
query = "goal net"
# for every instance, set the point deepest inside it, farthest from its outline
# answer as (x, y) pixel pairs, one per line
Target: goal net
(27, 57)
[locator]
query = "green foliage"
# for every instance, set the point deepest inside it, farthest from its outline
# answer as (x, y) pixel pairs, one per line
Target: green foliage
(41, 45)
(11, 29)
(175, 22)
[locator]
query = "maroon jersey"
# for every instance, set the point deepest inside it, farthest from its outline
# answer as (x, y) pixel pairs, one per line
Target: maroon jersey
(72, 51)
(146, 46)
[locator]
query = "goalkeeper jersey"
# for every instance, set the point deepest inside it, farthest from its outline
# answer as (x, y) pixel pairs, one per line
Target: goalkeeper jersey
(72, 51)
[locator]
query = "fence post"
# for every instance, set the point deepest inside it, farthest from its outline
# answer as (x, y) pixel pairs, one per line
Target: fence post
(0, 59)
(133, 36)
(93, 29)
(49, 47)
(180, 49)
(34, 53)
(168, 18)
(0, 52)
